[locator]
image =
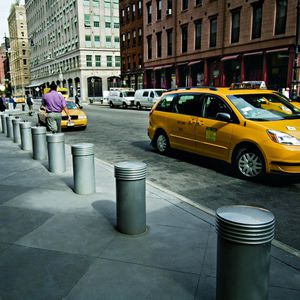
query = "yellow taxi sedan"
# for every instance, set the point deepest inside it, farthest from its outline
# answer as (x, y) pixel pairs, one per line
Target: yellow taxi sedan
(78, 116)
(257, 131)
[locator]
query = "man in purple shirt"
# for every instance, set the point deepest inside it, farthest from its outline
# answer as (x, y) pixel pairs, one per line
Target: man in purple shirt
(55, 103)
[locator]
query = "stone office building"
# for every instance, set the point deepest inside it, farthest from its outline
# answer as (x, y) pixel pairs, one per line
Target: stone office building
(75, 43)
(205, 42)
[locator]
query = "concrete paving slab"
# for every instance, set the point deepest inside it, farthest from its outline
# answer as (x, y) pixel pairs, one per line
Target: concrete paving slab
(172, 248)
(16, 222)
(28, 273)
(78, 234)
(111, 280)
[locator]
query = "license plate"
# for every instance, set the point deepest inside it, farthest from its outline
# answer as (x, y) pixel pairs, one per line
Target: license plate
(70, 124)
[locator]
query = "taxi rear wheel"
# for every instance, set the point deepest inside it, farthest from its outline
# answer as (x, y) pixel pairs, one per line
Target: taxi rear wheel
(161, 142)
(249, 163)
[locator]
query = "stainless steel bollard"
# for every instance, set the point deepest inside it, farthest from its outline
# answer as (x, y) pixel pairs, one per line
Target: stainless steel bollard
(9, 126)
(56, 152)
(3, 123)
(26, 136)
(39, 144)
(131, 192)
(83, 168)
(16, 130)
(243, 253)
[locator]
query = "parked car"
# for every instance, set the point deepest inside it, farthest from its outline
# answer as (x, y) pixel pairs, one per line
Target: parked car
(123, 97)
(256, 130)
(78, 116)
(147, 97)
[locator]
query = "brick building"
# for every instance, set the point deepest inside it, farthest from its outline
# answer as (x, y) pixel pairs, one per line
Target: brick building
(210, 42)
(131, 36)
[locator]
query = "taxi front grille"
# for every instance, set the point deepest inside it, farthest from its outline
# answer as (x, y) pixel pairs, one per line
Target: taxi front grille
(72, 118)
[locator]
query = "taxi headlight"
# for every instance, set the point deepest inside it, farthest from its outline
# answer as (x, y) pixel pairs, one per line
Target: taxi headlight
(82, 117)
(282, 138)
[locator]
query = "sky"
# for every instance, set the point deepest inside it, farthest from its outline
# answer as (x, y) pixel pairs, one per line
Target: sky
(4, 12)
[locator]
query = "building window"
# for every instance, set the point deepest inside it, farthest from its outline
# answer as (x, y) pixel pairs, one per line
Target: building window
(89, 62)
(97, 40)
(123, 39)
(140, 36)
(213, 32)
(98, 60)
(256, 20)
(86, 2)
(96, 21)
(122, 16)
(149, 12)
(117, 61)
(140, 8)
(88, 41)
(169, 42)
(109, 61)
(185, 4)
(149, 46)
(133, 11)
(117, 40)
(158, 9)
(169, 5)
(198, 30)
(133, 37)
(107, 22)
(108, 41)
(198, 2)
(184, 38)
(158, 44)
(96, 3)
(281, 11)
(235, 25)
(128, 39)
(128, 63)
(87, 21)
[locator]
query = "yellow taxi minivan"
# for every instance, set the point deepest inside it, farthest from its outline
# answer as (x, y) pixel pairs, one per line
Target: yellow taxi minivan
(256, 130)
(78, 116)
(62, 90)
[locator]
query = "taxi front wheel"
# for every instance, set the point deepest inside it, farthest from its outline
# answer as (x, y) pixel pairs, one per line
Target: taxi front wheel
(249, 163)
(161, 143)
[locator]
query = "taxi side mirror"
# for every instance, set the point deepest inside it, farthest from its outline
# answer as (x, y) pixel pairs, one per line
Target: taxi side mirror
(225, 117)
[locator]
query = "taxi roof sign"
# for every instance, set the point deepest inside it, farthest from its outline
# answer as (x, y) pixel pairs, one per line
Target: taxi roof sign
(248, 85)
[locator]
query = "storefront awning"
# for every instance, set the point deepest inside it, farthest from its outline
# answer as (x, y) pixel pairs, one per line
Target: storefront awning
(277, 50)
(34, 84)
(195, 62)
(230, 57)
(254, 53)
(157, 68)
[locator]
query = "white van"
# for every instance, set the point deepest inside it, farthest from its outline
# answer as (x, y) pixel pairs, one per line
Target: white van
(121, 97)
(147, 97)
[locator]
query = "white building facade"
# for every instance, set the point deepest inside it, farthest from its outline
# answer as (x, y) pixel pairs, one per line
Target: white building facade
(74, 43)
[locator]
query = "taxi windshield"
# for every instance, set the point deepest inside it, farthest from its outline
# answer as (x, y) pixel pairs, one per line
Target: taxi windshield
(264, 107)
(71, 105)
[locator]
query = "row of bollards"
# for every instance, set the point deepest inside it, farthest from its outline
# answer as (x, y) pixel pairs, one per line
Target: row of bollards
(244, 233)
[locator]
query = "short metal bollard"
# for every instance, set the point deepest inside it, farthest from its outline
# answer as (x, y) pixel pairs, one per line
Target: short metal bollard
(56, 152)
(16, 130)
(243, 253)
(9, 126)
(3, 123)
(39, 144)
(26, 136)
(130, 186)
(83, 168)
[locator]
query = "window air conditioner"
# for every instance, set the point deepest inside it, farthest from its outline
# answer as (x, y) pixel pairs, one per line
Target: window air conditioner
(169, 12)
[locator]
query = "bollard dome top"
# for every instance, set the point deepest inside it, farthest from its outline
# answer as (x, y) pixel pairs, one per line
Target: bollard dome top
(247, 215)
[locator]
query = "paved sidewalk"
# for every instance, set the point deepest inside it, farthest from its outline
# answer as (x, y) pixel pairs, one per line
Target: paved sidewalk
(55, 244)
